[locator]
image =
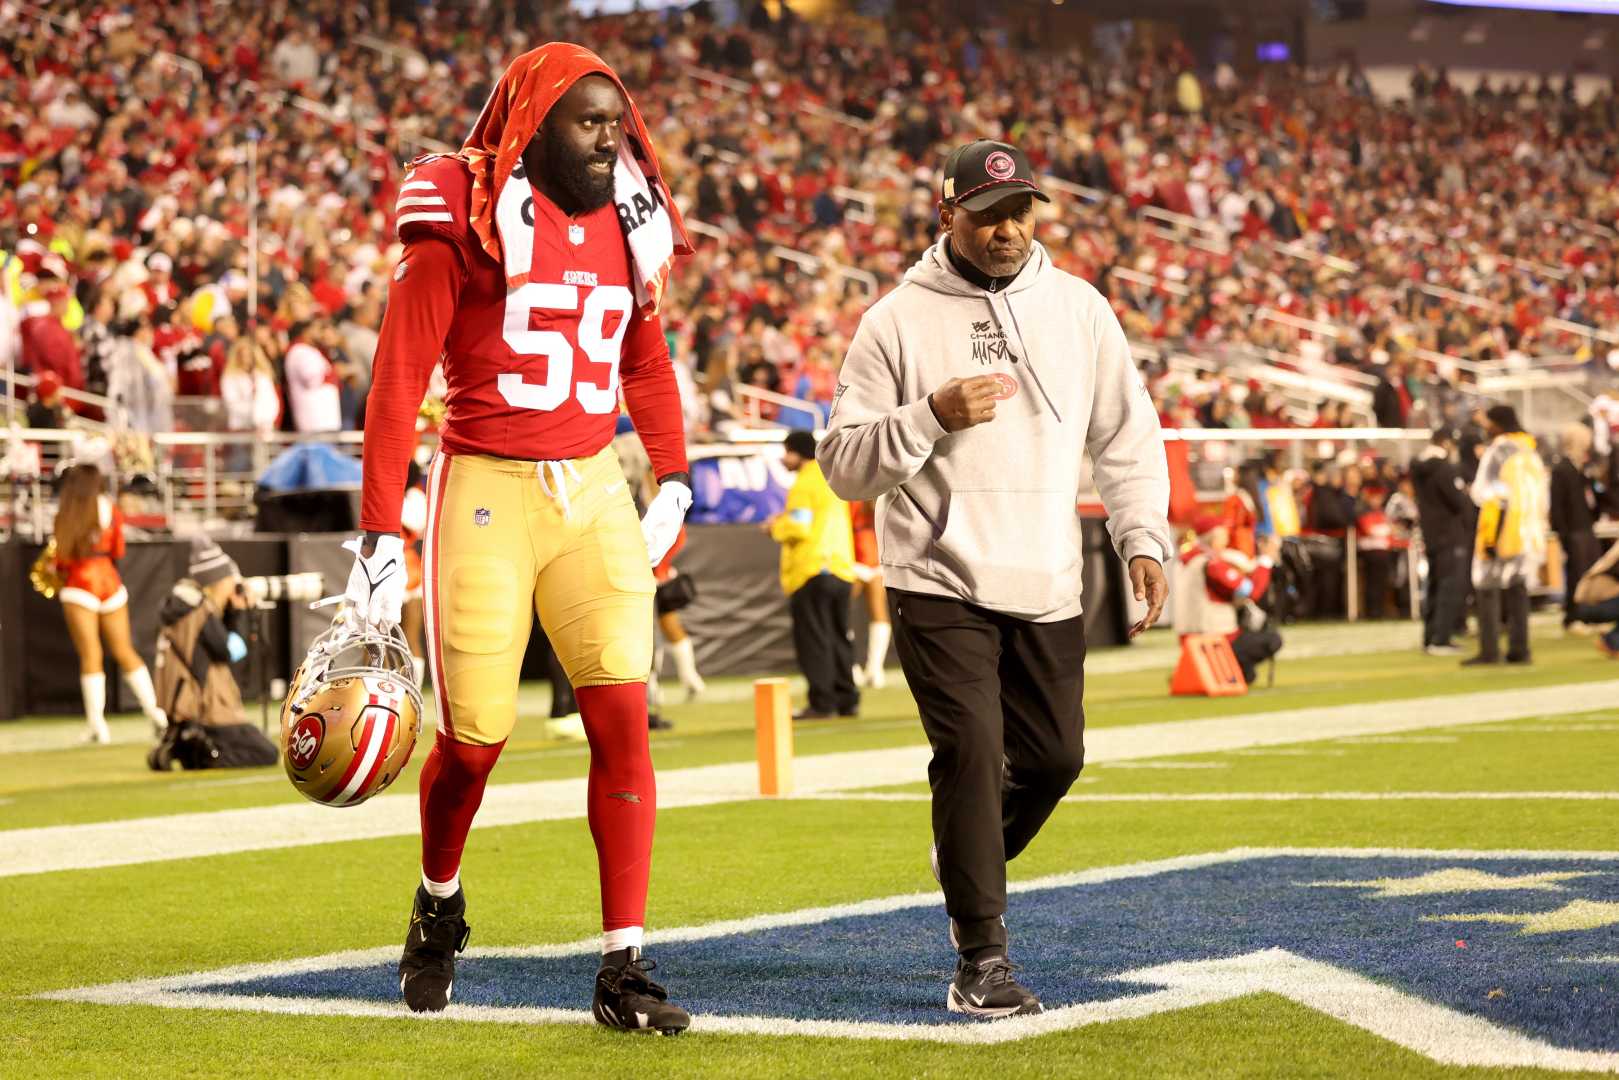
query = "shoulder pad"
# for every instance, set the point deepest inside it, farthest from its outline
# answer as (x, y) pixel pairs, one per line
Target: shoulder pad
(433, 199)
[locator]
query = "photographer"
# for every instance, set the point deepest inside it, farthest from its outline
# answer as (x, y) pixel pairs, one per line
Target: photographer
(208, 727)
(1218, 589)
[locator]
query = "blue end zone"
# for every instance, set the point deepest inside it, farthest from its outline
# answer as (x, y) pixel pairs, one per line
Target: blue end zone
(893, 967)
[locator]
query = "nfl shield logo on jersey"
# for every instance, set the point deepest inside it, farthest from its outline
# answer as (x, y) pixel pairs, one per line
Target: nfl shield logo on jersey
(576, 234)
(480, 517)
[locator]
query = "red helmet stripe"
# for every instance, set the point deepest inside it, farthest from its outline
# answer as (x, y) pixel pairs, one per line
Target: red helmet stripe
(383, 736)
(341, 792)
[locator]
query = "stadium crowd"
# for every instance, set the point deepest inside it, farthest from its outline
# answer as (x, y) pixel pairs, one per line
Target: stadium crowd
(1217, 212)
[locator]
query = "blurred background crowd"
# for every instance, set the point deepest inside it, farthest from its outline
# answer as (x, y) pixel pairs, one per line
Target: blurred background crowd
(1395, 247)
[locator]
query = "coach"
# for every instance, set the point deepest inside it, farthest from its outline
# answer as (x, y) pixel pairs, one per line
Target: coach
(967, 401)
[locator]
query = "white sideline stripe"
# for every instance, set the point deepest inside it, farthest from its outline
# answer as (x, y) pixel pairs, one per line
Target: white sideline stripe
(1292, 751)
(294, 824)
(1398, 740)
(1434, 1030)
(1545, 729)
(420, 200)
(1255, 796)
(418, 185)
(1164, 765)
(421, 215)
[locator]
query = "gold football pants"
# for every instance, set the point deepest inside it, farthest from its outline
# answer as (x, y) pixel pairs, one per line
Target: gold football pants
(507, 540)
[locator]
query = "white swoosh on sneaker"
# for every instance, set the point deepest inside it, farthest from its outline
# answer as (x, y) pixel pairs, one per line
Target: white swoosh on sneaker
(976, 999)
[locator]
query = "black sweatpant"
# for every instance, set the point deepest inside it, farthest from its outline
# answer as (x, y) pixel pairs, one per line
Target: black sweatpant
(820, 611)
(1514, 599)
(1444, 604)
(1254, 647)
(1002, 703)
(1581, 551)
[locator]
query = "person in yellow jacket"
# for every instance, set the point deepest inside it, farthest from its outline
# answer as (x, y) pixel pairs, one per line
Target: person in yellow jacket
(1509, 546)
(817, 572)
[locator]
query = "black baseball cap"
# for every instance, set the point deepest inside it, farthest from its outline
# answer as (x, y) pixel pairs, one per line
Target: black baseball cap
(982, 173)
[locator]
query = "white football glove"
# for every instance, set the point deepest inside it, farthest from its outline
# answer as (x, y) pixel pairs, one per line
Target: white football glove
(376, 592)
(661, 525)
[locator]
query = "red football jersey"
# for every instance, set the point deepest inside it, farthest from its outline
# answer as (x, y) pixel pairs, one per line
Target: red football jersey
(534, 372)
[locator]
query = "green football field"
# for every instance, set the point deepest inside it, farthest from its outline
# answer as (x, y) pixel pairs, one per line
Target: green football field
(1383, 865)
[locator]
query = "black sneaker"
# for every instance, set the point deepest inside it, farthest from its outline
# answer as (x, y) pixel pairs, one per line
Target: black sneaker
(656, 722)
(629, 1001)
(438, 930)
(989, 989)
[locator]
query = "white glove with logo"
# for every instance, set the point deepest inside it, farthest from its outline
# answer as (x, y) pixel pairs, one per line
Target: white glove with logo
(661, 525)
(376, 592)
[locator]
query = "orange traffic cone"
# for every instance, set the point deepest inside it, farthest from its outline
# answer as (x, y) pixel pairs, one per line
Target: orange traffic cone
(1208, 667)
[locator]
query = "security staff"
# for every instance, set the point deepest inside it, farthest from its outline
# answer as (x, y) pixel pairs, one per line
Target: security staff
(968, 399)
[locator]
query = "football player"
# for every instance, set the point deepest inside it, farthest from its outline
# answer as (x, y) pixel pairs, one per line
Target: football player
(532, 264)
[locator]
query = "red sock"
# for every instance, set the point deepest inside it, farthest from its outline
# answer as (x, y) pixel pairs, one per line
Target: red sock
(452, 784)
(623, 797)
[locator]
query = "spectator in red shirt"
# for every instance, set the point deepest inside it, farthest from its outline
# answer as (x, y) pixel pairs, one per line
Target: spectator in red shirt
(46, 343)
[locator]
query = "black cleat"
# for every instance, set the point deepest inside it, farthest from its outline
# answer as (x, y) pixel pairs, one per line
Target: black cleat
(438, 930)
(629, 1001)
(989, 989)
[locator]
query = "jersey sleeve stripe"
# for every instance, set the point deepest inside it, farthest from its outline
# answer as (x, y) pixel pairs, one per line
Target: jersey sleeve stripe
(420, 200)
(421, 215)
(418, 185)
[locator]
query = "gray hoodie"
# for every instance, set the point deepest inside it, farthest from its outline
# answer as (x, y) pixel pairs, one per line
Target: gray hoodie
(988, 514)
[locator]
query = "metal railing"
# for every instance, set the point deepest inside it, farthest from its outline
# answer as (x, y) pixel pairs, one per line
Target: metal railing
(22, 380)
(814, 263)
(755, 398)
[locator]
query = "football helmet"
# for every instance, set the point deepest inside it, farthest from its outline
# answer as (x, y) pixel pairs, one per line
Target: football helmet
(352, 714)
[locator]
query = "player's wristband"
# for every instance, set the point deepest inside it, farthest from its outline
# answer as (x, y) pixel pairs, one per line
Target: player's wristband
(368, 542)
(681, 477)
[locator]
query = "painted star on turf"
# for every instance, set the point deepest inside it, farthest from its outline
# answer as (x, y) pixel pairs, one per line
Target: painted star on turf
(1458, 879)
(1574, 915)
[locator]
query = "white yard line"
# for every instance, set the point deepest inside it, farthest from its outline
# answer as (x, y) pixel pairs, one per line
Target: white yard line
(222, 832)
(1260, 796)
(1162, 764)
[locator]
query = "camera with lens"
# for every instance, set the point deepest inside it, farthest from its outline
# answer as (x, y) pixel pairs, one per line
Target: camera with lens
(272, 589)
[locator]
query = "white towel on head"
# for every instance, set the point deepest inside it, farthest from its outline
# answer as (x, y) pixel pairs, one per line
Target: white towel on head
(642, 215)
(646, 224)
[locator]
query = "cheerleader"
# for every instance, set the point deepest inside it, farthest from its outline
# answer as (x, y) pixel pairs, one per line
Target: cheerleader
(89, 538)
(868, 575)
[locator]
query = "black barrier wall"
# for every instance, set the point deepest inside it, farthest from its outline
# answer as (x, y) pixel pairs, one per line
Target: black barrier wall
(739, 620)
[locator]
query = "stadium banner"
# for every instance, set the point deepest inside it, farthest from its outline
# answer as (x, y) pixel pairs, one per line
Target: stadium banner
(13, 584)
(739, 620)
(737, 485)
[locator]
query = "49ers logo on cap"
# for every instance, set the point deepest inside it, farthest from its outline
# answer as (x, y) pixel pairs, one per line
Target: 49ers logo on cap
(1000, 165)
(305, 741)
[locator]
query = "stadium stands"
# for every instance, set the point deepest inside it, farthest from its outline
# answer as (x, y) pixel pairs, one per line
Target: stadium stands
(1284, 250)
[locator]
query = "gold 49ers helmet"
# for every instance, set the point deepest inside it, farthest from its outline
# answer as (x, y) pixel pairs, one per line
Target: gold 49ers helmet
(351, 717)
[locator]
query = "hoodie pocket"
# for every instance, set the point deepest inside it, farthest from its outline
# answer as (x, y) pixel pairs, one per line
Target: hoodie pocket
(1016, 551)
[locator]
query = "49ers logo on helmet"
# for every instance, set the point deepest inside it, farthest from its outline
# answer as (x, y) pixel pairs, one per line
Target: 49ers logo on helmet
(304, 743)
(1000, 165)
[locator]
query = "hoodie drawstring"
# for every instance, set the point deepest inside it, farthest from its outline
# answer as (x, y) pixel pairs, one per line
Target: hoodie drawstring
(557, 473)
(1027, 357)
